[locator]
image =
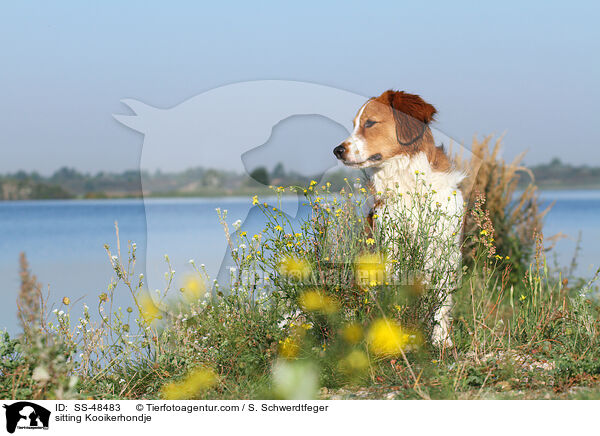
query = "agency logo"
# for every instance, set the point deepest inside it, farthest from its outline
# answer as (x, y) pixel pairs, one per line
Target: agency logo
(26, 415)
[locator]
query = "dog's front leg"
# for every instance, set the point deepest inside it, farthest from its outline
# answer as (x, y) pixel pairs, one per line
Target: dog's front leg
(441, 332)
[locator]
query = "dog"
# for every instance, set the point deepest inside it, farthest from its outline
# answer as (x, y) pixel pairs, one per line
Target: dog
(393, 143)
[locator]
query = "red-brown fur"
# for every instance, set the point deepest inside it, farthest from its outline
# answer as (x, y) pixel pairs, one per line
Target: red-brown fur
(401, 119)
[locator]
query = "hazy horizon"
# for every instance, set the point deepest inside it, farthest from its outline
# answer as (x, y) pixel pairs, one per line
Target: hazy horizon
(269, 167)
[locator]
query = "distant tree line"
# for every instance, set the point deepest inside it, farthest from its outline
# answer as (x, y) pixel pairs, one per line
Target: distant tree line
(70, 183)
(557, 174)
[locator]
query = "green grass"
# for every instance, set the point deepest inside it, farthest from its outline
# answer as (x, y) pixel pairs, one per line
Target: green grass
(329, 322)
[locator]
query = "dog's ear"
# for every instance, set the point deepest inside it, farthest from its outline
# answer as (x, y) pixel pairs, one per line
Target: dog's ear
(411, 105)
(412, 114)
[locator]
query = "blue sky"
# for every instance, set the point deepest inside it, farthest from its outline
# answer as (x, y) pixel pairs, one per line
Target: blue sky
(528, 70)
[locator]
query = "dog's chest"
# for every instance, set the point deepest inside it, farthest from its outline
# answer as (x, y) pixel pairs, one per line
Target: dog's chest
(407, 186)
(416, 205)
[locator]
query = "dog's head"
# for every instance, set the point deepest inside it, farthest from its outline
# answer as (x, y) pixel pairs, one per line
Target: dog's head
(392, 124)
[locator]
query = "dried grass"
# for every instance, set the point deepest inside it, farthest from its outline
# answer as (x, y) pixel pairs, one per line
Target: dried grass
(515, 214)
(29, 302)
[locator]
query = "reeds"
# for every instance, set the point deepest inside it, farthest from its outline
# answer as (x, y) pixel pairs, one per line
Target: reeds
(515, 214)
(29, 300)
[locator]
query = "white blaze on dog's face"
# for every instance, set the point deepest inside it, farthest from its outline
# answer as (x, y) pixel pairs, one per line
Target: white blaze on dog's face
(369, 138)
(392, 124)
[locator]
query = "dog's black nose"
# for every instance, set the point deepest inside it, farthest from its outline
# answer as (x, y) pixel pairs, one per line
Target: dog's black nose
(339, 151)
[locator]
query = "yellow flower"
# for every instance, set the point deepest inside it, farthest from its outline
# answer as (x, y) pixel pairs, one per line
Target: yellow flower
(193, 288)
(148, 310)
(483, 232)
(243, 234)
(523, 298)
(255, 200)
(279, 228)
(66, 301)
(298, 235)
(370, 268)
(386, 338)
(354, 362)
(295, 267)
(507, 257)
(313, 183)
(370, 241)
(289, 348)
(352, 333)
(316, 301)
(197, 381)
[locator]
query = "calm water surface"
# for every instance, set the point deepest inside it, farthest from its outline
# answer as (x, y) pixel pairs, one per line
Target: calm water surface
(64, 240)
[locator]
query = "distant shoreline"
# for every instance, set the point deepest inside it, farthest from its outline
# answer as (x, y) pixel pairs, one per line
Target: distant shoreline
(68, 183)
(240, 195)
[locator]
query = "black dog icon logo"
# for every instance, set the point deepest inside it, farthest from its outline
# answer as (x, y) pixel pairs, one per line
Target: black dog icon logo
(26, 415)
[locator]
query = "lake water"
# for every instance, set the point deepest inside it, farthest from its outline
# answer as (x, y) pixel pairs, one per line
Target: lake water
(64, 240)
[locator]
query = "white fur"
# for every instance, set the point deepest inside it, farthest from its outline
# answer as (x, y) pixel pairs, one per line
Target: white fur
(394, 181)
(356, 143)
(398, 175)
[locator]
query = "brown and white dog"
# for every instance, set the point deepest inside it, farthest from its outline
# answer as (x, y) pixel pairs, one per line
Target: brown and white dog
(392, 140)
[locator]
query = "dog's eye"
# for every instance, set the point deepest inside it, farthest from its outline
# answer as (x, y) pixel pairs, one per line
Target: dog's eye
(370, 123)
